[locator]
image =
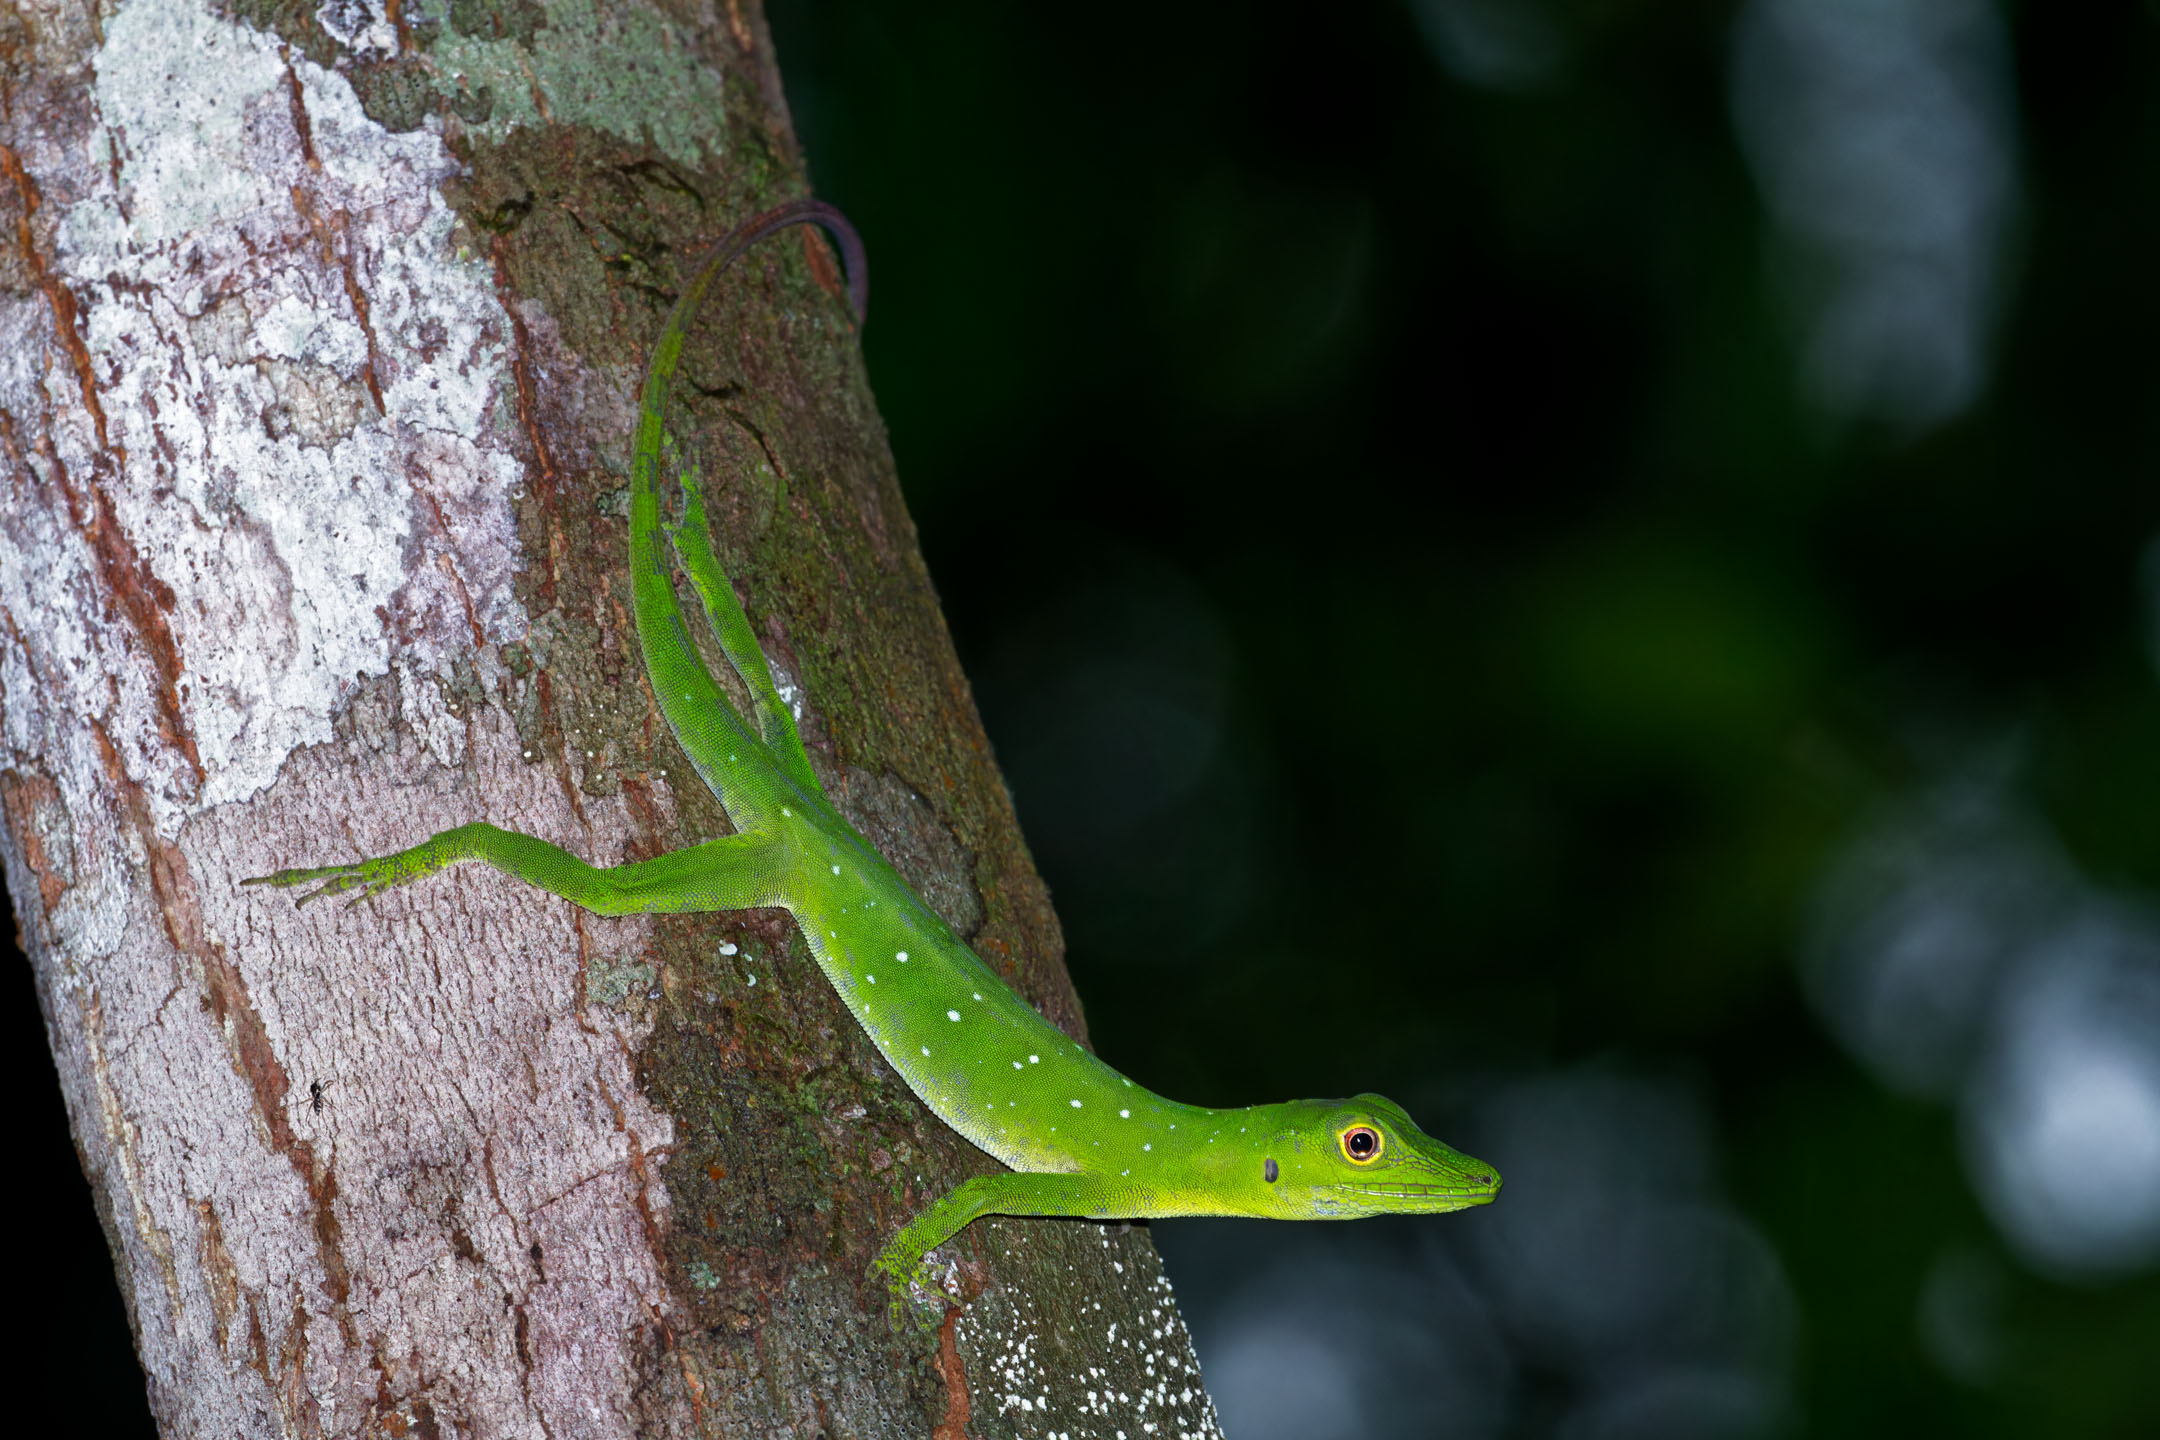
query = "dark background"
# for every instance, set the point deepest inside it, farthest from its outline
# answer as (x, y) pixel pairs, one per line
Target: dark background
(1584, 566)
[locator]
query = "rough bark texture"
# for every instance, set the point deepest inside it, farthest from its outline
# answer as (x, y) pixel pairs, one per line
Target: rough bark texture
(319, 332)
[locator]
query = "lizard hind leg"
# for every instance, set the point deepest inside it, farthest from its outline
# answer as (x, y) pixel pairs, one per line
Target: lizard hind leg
(736, 872)
(692, 540)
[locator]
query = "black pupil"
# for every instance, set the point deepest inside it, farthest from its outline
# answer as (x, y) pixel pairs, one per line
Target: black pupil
(1361, 1143)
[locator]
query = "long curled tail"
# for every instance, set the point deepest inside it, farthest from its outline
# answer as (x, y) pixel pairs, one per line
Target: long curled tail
(696, 709)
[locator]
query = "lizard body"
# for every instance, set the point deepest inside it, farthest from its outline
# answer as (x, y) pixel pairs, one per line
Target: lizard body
(1079, 1138)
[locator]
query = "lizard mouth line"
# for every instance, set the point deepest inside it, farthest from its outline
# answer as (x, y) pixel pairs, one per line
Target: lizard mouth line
(1459, 1194)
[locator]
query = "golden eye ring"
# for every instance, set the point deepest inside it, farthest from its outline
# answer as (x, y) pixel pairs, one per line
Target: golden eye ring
(1362, 1144)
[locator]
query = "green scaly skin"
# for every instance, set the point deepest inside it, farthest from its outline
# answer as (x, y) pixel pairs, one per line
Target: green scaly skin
(1081, 1139)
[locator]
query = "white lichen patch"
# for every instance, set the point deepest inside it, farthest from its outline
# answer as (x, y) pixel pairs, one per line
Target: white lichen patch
(361, 26)
(784, 685)
(302, 384)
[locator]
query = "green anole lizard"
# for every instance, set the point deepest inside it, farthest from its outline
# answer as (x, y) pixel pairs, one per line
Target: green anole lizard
(1080, 1139)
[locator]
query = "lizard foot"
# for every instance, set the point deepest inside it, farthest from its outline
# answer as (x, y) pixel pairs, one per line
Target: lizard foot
(369, 877)
(919, 1293)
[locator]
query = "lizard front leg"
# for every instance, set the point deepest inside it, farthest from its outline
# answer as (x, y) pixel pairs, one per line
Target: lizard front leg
(1097, 1197)
(736, 872)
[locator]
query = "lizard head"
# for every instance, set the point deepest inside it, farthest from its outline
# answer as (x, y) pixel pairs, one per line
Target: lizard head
(1342, 1159)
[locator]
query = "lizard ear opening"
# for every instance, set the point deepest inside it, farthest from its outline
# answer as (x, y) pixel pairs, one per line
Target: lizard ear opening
(1362, 1144)
(1270, 1171)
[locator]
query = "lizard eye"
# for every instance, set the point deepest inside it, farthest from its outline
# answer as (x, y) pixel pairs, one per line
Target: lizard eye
(1361, 1144)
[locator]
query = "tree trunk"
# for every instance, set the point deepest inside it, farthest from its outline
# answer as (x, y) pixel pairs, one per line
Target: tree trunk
(320, 330)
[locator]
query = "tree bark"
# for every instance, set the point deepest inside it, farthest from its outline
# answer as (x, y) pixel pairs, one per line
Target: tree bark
(320, 332)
